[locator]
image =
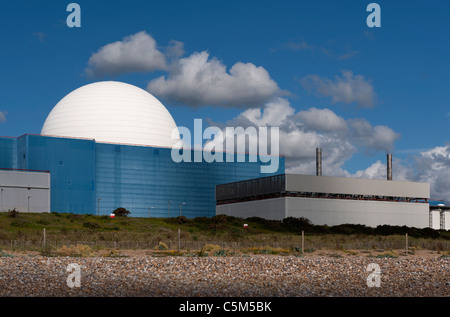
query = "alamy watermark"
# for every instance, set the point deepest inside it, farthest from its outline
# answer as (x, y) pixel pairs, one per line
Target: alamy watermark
(74, 278)
(74, 18)
(232, 144)
(374, 278)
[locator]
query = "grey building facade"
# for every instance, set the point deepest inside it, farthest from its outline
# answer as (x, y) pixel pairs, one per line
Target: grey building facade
(327, 200)
(24, 190)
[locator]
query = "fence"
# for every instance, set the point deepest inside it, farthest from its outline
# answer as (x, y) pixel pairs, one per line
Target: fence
(191, 245)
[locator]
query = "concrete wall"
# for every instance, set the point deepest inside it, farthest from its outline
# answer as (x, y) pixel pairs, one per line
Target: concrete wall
(370, 213)
(332, 211)
(273, 209)
(25, 191)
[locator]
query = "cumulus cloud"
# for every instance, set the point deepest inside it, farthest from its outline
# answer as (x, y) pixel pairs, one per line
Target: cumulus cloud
(373, 138)
(135, 53)
(378, 170)
(323, 120)
(198, 80)
(347, 89)
(175, 49)
(302, 132)
(434, 166)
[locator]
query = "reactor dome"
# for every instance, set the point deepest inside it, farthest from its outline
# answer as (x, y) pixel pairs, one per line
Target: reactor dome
(112, 112)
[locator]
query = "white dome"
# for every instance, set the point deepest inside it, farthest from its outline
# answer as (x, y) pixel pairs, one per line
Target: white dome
(112, 112)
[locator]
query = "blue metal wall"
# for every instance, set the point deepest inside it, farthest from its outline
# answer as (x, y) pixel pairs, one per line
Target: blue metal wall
(91, 178)
(8, 152)
(71, 163)
(146, 180)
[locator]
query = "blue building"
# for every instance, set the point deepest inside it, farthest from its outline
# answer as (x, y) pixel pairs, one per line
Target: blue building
(95, 174)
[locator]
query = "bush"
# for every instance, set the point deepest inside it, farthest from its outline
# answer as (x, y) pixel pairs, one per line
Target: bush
(162, 246)
(13, 213)
(121, 212)
(79, 250)
(297, 224)
(214, 250)
(388, 254)
(5, 255)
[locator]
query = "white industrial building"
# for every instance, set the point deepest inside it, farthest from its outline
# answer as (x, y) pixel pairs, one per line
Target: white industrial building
(25, 191)
(326, 200)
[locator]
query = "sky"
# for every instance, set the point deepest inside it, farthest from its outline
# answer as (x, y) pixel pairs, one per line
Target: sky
(315, 69)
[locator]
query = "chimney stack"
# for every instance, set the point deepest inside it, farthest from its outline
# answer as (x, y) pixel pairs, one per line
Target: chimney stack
(389, 167)
(318, 161)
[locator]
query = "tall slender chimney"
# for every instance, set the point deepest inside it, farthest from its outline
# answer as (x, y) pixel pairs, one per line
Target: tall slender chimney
(389, 167)
(318, 161)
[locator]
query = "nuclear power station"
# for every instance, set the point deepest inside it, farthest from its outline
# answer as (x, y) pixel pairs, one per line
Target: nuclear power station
(108, 145)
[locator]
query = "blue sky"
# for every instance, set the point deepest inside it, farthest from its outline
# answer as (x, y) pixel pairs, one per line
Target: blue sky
(387, 87)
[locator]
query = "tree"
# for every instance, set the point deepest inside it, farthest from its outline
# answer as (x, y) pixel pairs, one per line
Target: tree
(121, 212)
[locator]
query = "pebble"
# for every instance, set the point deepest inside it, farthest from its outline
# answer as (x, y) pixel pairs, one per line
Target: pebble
(246, 276)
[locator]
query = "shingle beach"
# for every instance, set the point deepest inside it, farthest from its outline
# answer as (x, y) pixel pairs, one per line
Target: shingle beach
(246, 276)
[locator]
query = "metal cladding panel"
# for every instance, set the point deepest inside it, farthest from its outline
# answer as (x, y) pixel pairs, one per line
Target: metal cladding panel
(25, 179)
(370, 213)
(332, 211)
(251, 188)
(89, 177)
(341, 185)
(8, 152)
(25, 191)
(146, 181)
(71, 163)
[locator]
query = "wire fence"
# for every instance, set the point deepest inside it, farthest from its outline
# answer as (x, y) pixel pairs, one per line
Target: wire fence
(191, 245)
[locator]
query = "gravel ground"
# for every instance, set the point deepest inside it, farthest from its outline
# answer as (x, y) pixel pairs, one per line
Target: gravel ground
(243, 276)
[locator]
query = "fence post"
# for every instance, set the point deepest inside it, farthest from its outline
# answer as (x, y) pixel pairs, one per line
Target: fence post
(44, 239)
(303, 242)
(179, 242)
(406, 243)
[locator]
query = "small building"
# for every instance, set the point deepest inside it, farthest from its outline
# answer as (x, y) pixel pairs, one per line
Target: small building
(24, 191)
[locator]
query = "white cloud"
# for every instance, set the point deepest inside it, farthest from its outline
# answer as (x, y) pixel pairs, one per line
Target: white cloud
(175, 49)
(378, 170)
(323, 120)
(434, 166)
(372, 138)
(302, 132)
(2, 116)
(198, 80)
(135, 53)
(346, 89)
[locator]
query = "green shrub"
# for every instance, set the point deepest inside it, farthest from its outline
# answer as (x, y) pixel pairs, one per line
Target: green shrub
(388, 254)
(162, 246)
(121, 212)
(13, 213)
(78, 250)
(5, 255)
